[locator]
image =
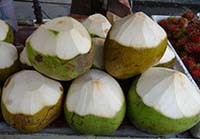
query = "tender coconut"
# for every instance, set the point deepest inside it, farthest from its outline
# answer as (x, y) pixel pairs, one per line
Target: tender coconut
(60, 49)
(134, 44)
(97, 25)
(98, 57)
(95, 100)
(24, 58)
(167, 59)
(163, 101)
(8, 60)
(32, 98)
(62, 34)
(6, 33)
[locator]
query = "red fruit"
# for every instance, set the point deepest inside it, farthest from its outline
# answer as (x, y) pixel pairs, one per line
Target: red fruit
(195, 37)
(172, 20)
(182, 42)
(193, 48)
(183, 22)
(178, 34)
(196, 73)
(190, 28)
(172, 27)
(189, 62)
(188, 14)
(163, 23)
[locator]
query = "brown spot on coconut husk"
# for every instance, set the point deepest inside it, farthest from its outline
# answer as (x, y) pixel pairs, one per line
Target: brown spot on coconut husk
(38, 58)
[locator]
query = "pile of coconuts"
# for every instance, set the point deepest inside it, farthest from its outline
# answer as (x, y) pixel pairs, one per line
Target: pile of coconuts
(95, 55)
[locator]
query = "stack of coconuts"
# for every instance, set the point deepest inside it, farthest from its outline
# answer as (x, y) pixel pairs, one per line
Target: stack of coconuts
(160, 100)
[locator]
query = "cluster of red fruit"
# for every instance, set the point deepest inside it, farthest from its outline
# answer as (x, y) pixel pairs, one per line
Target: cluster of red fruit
(184, 34)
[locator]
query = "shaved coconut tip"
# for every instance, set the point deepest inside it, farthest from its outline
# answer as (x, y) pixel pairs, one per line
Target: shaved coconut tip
(97, 25)
(99, 54)
(163, 101)
(97, 100)
(8, 55)
(167, 57)
(28, 92)
(63, 37)
(137, 31)
(24, 58)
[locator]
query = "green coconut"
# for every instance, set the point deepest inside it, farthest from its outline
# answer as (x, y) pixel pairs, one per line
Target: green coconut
(31, 101)
(9, 63)
(97, 25)
(167, 59)
(6, 33)
(60, 49)
(95, 104)
(163, 101)
(133, 44)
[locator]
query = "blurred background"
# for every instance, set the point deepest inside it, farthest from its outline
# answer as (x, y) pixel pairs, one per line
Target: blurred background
(54, 8)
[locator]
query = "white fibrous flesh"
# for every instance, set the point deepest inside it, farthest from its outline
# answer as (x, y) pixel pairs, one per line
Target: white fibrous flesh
(4, 30)
(8, 55)
(167, 57)
(112, 17)
(98, 25)
(137, 31)
(28, 92)
(99, 55)
(63, 37)
(169, 92)
(24, 58)
(95, 93)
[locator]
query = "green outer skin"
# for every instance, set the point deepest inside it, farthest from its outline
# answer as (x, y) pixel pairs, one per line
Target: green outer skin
(32, 123)
(5, 73)
(59, 69)
(167, 64)
(148, 119)
(10, 36)
(95, 125)
(124, 62)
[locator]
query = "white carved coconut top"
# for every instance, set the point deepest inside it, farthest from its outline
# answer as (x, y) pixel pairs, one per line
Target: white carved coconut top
(63, 37)
(137, 31)
(28, 92)
(8, 55)
(95, 93)
(167, 56)
(4, 30)
(24, 58)
(97, 24)
(170, 92)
